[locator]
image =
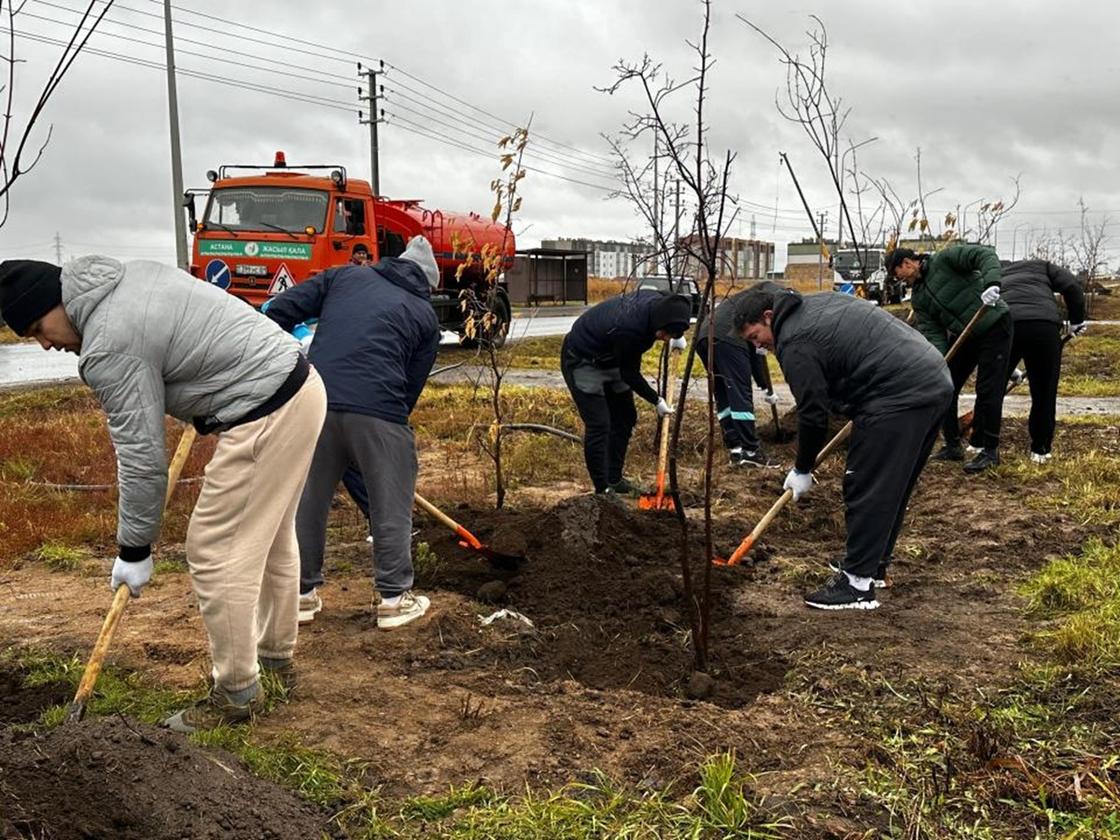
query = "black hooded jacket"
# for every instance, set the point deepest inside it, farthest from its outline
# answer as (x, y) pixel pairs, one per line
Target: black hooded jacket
(843, 355)
(1029, 287)
(616, 334)
(377, 335)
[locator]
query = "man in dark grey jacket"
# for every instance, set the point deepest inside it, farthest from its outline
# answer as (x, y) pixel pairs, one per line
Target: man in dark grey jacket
(1029, 288)
(374, 346)
(841, 354)
(153, 341)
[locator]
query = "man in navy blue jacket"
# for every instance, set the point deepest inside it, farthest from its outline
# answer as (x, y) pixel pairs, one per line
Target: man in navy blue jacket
(601, 360)
(374, 346)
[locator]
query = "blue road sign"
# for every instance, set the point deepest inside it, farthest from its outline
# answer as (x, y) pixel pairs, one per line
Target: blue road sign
(846, 288)
(217, 272)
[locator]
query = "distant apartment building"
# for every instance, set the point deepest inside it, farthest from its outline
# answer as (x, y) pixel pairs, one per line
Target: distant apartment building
(747, 259)
(609, 258)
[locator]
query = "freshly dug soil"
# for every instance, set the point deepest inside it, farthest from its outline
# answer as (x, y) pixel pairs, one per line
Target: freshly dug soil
(112, 778)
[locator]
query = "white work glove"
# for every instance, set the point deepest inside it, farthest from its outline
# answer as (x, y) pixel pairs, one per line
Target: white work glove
(761, 351)
(678, 343)
(772, 399)
(799, 482)
(1078, 329)
(136, 575)
(990, 296)
(305, 336)
(663, 408)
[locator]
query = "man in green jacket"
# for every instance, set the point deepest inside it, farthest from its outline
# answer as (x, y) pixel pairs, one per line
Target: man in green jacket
(948, 288)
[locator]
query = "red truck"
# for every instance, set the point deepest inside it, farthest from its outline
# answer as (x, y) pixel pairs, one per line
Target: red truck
(262, 232)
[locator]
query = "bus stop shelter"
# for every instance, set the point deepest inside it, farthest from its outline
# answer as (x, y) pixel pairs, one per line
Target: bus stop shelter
(547, 275)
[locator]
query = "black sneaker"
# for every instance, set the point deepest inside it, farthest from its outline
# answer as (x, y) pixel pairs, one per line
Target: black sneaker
(625, 487)
(839, 594)
(949, 452)
(987, 459)
(752, 458)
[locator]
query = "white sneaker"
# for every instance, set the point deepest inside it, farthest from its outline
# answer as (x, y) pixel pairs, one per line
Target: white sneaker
(409, 608)
(309, 604)
(1039, 457)
(973, 450)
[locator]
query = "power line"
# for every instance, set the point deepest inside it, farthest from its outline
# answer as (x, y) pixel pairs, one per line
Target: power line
(528, 151)
(415, 128)
(332, 53)
(294, 96)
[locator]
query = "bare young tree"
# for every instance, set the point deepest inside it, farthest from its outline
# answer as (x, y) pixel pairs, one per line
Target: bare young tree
(686, 155)
(21, 143)
(1088, 251)
(482, 323)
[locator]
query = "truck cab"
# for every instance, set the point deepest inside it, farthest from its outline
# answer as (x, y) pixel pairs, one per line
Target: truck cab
(261, 233)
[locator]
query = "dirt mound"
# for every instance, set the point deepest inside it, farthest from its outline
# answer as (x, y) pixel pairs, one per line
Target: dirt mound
(603, 588)
(113, 778)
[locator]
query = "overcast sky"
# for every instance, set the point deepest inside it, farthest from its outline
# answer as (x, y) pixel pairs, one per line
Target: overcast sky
(988, 91)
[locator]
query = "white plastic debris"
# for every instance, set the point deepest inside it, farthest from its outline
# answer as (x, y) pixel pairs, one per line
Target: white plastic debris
(513, 614)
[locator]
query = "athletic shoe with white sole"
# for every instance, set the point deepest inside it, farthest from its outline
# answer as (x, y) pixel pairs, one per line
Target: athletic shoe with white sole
(882, 579)
(309, 605)
(1040, 457)
(839, 594)
(752, 458)
(407, 609)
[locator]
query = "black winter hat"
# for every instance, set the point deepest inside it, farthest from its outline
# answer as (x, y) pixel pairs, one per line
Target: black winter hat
(671, 314)
(29, 289)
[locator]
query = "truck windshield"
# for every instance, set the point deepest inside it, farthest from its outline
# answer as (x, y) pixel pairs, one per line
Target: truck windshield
(267, 208)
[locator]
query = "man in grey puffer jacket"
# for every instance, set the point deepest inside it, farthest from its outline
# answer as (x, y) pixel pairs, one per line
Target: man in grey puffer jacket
(154, 341)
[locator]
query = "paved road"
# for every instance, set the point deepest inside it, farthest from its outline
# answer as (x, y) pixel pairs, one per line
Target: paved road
(24, 364)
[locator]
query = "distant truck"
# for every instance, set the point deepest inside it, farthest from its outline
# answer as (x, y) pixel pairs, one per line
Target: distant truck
(861, 273)
(263, 232)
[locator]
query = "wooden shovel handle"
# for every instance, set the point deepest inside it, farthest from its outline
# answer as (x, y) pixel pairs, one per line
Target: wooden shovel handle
(122, 596)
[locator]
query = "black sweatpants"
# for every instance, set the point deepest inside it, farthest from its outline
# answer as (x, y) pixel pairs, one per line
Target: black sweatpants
(986, 354)
(886, 455)
(732, 369)
(1039, 345)
(606, 406)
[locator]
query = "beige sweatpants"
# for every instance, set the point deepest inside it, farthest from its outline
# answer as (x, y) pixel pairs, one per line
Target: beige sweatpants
(241, 541)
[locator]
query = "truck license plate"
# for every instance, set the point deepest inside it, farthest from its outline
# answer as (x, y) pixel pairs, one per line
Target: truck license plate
(252, 270)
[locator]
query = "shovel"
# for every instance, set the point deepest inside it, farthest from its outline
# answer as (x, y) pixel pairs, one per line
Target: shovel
(750, 539)
(506, 562)
(657, 500)
(779, 435)
(121, 597)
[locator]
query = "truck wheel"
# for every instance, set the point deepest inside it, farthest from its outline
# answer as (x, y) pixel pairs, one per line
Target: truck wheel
(498, 335)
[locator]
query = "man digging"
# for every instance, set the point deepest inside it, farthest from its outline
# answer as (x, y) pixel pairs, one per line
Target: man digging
(151, 341)
(601, 360)
(844, 355)
(948, 289)
(375, 344)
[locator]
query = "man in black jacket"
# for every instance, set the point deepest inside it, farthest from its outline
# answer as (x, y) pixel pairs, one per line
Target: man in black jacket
(735, 361)
(1029, 287)
(841, 354)
(601, 360)
(374, 346)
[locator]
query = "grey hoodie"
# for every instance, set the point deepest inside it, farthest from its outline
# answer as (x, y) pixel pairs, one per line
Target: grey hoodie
(156, 341)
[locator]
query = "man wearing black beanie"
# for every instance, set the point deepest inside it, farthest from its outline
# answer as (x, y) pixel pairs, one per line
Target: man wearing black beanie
(154, 341)
(29, 289)
(601, 360)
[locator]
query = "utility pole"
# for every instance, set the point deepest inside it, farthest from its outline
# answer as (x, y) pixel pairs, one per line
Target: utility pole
(374, 118)
(181, 258)
(57, 248)
(820, 252)
(677, 229)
